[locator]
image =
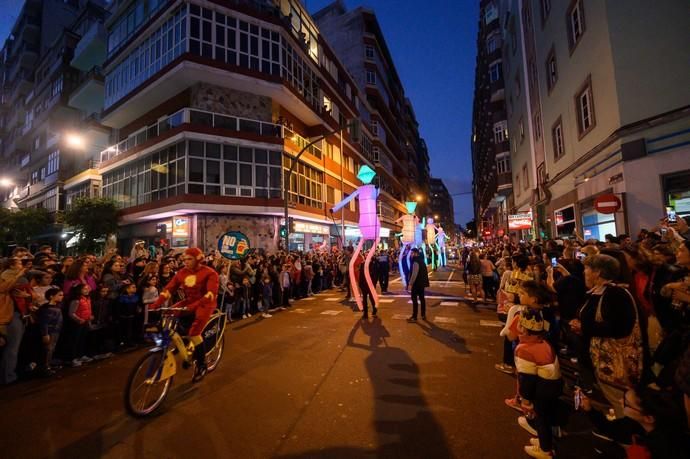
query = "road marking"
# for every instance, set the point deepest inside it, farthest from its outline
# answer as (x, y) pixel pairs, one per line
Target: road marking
(309, 298)
(300, 310)
(385, 300)
(333, 299)
(445, 320)
(331, 313)
(450, 277)
(399, 316)
(449, 303)
(491, 323)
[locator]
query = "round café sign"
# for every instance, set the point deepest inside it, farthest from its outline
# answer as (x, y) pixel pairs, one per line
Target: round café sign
(234, 245)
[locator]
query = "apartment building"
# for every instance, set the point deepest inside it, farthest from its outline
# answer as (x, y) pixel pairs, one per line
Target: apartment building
(491, 162)
(39, 116)
(209, 103)
(399, 153)
(600, 91)
(441, 205)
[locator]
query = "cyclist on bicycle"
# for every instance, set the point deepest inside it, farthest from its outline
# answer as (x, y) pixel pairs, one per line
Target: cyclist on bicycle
(200, 286)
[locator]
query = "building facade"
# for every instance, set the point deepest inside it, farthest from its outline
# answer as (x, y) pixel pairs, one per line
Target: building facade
(491, 162)
(39, 76)
(602, 109)
(399, 152)
(210, 102)
(441, 205)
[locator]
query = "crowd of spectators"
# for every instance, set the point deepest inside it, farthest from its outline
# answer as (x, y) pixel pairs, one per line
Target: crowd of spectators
(71, 310)
(615, 310)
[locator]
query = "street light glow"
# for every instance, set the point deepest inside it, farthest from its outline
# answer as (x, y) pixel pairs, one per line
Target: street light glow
(418, 198)
(5, 182)
(75, 141)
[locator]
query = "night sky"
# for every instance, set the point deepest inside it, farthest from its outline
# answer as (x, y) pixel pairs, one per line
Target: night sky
(433, 43)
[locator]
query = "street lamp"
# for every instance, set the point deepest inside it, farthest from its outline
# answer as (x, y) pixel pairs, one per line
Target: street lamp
(418, 198)
(436, 217)
(75, 141)
(5, 182)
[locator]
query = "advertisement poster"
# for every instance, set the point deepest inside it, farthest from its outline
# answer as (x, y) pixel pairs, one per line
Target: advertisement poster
(234, 245)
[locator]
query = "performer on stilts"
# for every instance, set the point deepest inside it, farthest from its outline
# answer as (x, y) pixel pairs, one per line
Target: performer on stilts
(441, 238)
(369, 227)
(410, 224)
(431, 240)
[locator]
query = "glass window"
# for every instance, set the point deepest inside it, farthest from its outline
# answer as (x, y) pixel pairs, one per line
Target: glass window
(196, 170)
(196, 148)
(230, 173)
(212, 150)
(245, 175)
(230, 152)
(212, 171)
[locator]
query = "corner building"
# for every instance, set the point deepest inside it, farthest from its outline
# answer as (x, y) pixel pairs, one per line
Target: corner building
(209, 103)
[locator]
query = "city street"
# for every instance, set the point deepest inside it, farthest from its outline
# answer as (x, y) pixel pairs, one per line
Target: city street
(313, 381)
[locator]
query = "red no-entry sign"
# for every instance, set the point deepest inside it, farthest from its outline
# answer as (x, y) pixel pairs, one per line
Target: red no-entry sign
(607, 204)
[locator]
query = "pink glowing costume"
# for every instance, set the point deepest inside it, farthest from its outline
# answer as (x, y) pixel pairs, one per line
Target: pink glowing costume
(441, 238)
(410, 224)
(369, 227)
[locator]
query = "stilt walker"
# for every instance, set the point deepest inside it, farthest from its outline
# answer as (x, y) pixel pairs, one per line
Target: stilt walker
(431, 240)
(369, 227)
(441, 238)
(410, 224)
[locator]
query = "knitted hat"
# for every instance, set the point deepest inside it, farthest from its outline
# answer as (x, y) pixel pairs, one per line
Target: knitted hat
(194, 252)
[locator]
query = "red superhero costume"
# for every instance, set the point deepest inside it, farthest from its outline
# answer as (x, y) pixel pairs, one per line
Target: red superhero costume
(200, 287)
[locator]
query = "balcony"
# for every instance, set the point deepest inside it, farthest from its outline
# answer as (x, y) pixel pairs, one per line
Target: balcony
(196, 118)
(21, 84)
(301, 142)
(504, 183)
(89, 95)
(188, 72)
(91, 50)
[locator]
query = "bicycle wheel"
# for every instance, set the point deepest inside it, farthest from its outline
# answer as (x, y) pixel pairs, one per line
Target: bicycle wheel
(213, 357)
(144, 394)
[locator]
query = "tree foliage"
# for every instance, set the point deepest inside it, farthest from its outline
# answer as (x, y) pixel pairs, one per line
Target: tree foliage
(92, 219)
(21, 226)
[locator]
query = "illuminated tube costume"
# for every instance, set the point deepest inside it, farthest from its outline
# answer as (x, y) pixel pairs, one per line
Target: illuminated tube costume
(408, 239)
(441, 238)
(369, 227)
(431, 240)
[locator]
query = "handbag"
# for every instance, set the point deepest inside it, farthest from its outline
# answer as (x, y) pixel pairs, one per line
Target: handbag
(617, 361)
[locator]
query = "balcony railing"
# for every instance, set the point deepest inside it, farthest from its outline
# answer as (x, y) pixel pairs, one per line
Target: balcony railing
(194, 117)
(301, 142)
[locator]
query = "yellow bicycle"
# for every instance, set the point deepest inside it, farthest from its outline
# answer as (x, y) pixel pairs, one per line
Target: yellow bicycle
(151, 378)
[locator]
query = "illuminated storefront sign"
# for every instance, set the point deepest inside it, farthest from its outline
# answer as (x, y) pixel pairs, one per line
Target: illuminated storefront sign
(310, 228)
(355, 233)
(520, 221)
(180, 232)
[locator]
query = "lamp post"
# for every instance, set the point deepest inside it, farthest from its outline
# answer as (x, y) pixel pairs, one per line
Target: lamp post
(354, 125)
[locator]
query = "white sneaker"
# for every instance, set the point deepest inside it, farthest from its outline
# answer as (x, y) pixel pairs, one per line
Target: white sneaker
(244, 316)
(249, 314)
(282, 308)
(75, 363)
(266, 315)
(85, 359)
(535, 451)
(522, 421)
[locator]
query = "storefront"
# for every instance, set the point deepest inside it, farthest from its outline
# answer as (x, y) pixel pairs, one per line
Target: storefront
(565, 221)
(309, 236)
(676, 189)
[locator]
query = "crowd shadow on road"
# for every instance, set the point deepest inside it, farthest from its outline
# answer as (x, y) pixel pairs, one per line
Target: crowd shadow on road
(404, 424)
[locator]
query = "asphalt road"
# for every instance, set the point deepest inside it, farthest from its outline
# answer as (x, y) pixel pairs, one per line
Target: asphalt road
(311, 382)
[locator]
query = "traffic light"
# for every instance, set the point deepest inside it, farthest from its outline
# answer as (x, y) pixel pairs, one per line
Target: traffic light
(283, 231)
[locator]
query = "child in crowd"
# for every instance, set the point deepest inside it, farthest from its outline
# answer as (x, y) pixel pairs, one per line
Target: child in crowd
(149, 294)
(285, 285)
(128, 307)
(267, 296)
(79, 314)
(50, 323)
(100, 343)
(539, 376)
(244, 297)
